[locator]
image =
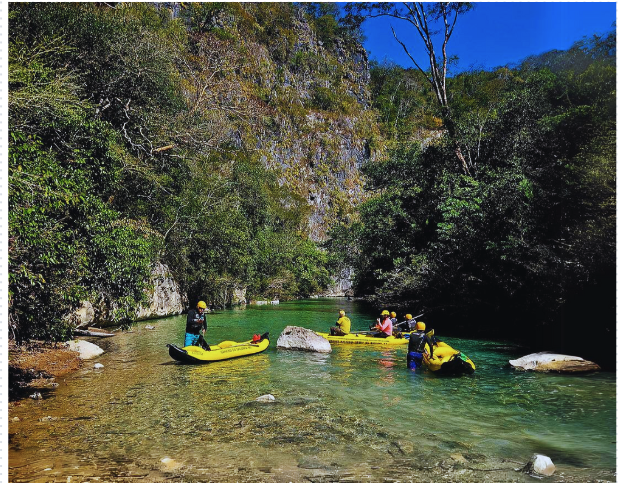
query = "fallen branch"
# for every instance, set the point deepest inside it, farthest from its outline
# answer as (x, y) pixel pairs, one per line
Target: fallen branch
(83, 332)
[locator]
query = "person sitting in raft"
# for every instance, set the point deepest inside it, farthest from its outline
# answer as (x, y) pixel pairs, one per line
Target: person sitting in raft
(392, 317)
(408, 324)
(196, 326)
(417, 346)
(342, 326)
(383, 325)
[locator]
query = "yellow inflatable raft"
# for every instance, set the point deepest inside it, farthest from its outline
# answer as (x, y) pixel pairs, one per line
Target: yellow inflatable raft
(218, 352)
(363, 338)
(447, 360)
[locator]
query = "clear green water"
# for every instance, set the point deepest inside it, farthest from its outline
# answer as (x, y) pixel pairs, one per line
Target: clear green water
(357, 414)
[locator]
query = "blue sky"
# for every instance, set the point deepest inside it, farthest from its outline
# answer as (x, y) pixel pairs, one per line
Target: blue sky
(497, 33)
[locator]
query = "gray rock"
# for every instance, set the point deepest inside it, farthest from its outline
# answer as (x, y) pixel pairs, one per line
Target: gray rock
(84, 316)
(85, 349)
(166, 299)
(545, 361)
(98, 366)
(301, 339)
(540, 464)
(150, 328)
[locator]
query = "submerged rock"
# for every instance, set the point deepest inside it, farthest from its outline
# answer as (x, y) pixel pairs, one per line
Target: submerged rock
(299, 338)
(265, 398)
(169, 464)
(545, 361)
(540, 464)
(85, 349)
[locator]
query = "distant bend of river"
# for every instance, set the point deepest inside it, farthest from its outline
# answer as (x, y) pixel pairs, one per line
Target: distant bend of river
(355, 415)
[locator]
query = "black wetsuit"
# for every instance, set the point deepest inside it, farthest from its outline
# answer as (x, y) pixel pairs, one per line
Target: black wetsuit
(195, 323)
(417, 345)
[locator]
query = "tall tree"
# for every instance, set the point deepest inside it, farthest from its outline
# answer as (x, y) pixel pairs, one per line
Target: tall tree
(424, 17)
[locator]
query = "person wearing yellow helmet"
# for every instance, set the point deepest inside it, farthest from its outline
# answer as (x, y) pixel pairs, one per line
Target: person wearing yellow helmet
(342, 326)
(196, 326)
(383, 325)
(408, 324)
(418, 341)
(392, 317)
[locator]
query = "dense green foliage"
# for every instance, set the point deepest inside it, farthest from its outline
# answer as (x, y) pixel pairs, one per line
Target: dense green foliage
(525, 246)
(132, 136)
(141, 134)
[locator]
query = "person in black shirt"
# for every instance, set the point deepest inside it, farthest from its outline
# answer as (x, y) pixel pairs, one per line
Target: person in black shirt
(196, 325)
(417, 346)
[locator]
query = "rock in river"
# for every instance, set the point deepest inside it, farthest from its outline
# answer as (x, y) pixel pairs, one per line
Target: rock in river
(540, 464)
(545, 361)
(265, 398)
(85, 349)
(302, 339)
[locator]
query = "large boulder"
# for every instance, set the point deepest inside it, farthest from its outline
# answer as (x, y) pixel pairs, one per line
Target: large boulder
(85, 349)
(545, 361)
(302, 339)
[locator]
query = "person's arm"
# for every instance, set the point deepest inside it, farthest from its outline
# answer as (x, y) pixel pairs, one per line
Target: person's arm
(430, 345)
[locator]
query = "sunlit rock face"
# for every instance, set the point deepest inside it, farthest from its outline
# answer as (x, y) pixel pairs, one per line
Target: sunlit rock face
(166, 298)
(545, 361)
(301, 339)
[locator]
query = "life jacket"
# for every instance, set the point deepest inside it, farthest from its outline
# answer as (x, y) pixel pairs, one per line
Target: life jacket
(417, 342)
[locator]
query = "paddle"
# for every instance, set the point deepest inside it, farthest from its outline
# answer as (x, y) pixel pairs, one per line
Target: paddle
(202, 342)
(229, 344)
(369, 331)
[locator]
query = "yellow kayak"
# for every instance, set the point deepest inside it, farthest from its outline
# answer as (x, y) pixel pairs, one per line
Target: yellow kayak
(359, 338)
(218, 352)
(447, 360)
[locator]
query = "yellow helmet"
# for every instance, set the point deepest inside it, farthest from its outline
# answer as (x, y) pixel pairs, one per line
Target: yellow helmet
(385, 313)
(342, 313)
(420, 326)
(409, 317)
(393, 314)
(201, 304)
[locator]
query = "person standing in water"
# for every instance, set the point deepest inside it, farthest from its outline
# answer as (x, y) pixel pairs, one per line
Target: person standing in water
(417, 346)
(196, 325)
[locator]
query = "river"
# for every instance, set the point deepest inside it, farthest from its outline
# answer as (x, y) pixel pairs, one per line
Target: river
(355, 415)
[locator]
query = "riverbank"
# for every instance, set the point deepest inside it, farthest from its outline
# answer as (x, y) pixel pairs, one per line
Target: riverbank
(35, 367)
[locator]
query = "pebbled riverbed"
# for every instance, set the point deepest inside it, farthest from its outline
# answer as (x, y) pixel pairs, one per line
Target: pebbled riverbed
(355, 415)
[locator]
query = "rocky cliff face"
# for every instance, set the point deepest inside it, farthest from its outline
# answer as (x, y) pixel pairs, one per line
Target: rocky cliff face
(165, 299)
(319, 148)
(312, 122)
